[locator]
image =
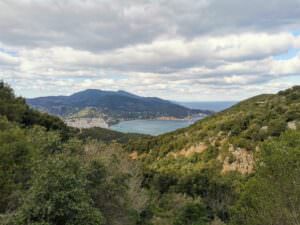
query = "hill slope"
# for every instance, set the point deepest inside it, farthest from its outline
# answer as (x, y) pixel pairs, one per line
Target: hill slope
(232, 136)
(49, 176)
(111, 106)
(213, 159)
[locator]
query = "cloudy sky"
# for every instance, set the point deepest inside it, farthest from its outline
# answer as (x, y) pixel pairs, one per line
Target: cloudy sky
(192, 50)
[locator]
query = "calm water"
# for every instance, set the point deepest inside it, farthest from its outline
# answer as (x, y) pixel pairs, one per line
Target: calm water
(156, 127)
(152, 127)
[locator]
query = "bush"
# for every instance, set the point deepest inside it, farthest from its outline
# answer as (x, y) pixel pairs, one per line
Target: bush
(277, 127)
(192, 214)
(58, 196)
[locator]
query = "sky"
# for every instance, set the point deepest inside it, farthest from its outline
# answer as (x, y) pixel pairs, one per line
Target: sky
(183, 50)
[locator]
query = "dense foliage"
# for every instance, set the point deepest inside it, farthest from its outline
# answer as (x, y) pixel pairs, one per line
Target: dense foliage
(107, 136)
(272, 195)
(49, 177)
(57, 195)
(16, 110)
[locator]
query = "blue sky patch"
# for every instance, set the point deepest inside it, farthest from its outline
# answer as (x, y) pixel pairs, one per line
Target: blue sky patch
(12, 53)
(296, 33)
(290, 54)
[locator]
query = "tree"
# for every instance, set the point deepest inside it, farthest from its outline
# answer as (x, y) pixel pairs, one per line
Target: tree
(16, 153)
(10, 106)
(192, 214)
(114, 182)
(58, 196)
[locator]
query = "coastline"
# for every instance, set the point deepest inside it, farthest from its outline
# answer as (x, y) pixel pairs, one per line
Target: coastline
(90, 122)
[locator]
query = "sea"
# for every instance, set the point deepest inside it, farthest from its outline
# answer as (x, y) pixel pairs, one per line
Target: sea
(158, 127)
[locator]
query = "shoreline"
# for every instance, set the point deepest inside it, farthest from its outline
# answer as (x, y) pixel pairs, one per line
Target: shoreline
(90, 122)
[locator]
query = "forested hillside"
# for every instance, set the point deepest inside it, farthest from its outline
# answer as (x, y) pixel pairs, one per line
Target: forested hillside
(240, 166)
(50, 177)
(243, 126)
(212, 160)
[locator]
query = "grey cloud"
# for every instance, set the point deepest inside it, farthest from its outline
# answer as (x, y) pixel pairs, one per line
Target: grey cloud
(174, 46)
(98, 25)
(92, 25)
(232, 16)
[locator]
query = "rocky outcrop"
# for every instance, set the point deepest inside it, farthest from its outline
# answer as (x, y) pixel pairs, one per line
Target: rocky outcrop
(292, 125)
(240, 160)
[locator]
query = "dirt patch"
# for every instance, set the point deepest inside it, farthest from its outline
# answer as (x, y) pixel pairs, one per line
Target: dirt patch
(133, 155)
(292, 125)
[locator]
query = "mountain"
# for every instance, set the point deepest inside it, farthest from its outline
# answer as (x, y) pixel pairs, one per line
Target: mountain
(15, 110)
(111, 106)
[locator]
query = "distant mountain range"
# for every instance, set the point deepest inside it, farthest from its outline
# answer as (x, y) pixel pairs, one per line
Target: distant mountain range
(112, 106)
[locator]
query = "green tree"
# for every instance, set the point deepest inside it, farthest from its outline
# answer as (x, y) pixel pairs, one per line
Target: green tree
(10, 106)
(16, 154)
(58, 196)
(192, 214)
(114, 182)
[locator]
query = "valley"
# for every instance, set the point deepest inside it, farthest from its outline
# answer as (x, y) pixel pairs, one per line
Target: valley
(140, 112)
(220, 170)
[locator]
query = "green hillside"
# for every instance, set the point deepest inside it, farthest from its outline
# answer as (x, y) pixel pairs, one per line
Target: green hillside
(108, 136)
(16, 110)
(212, 159)
(243, 126)
(48, 176)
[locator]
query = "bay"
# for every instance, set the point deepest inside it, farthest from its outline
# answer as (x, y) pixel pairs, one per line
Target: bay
(152, 127)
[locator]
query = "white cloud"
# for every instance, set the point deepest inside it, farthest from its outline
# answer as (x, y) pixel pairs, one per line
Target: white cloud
(162, 55)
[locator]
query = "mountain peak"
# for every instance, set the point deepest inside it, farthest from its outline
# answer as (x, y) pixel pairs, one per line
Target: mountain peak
(88, 91)
(126, 93)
